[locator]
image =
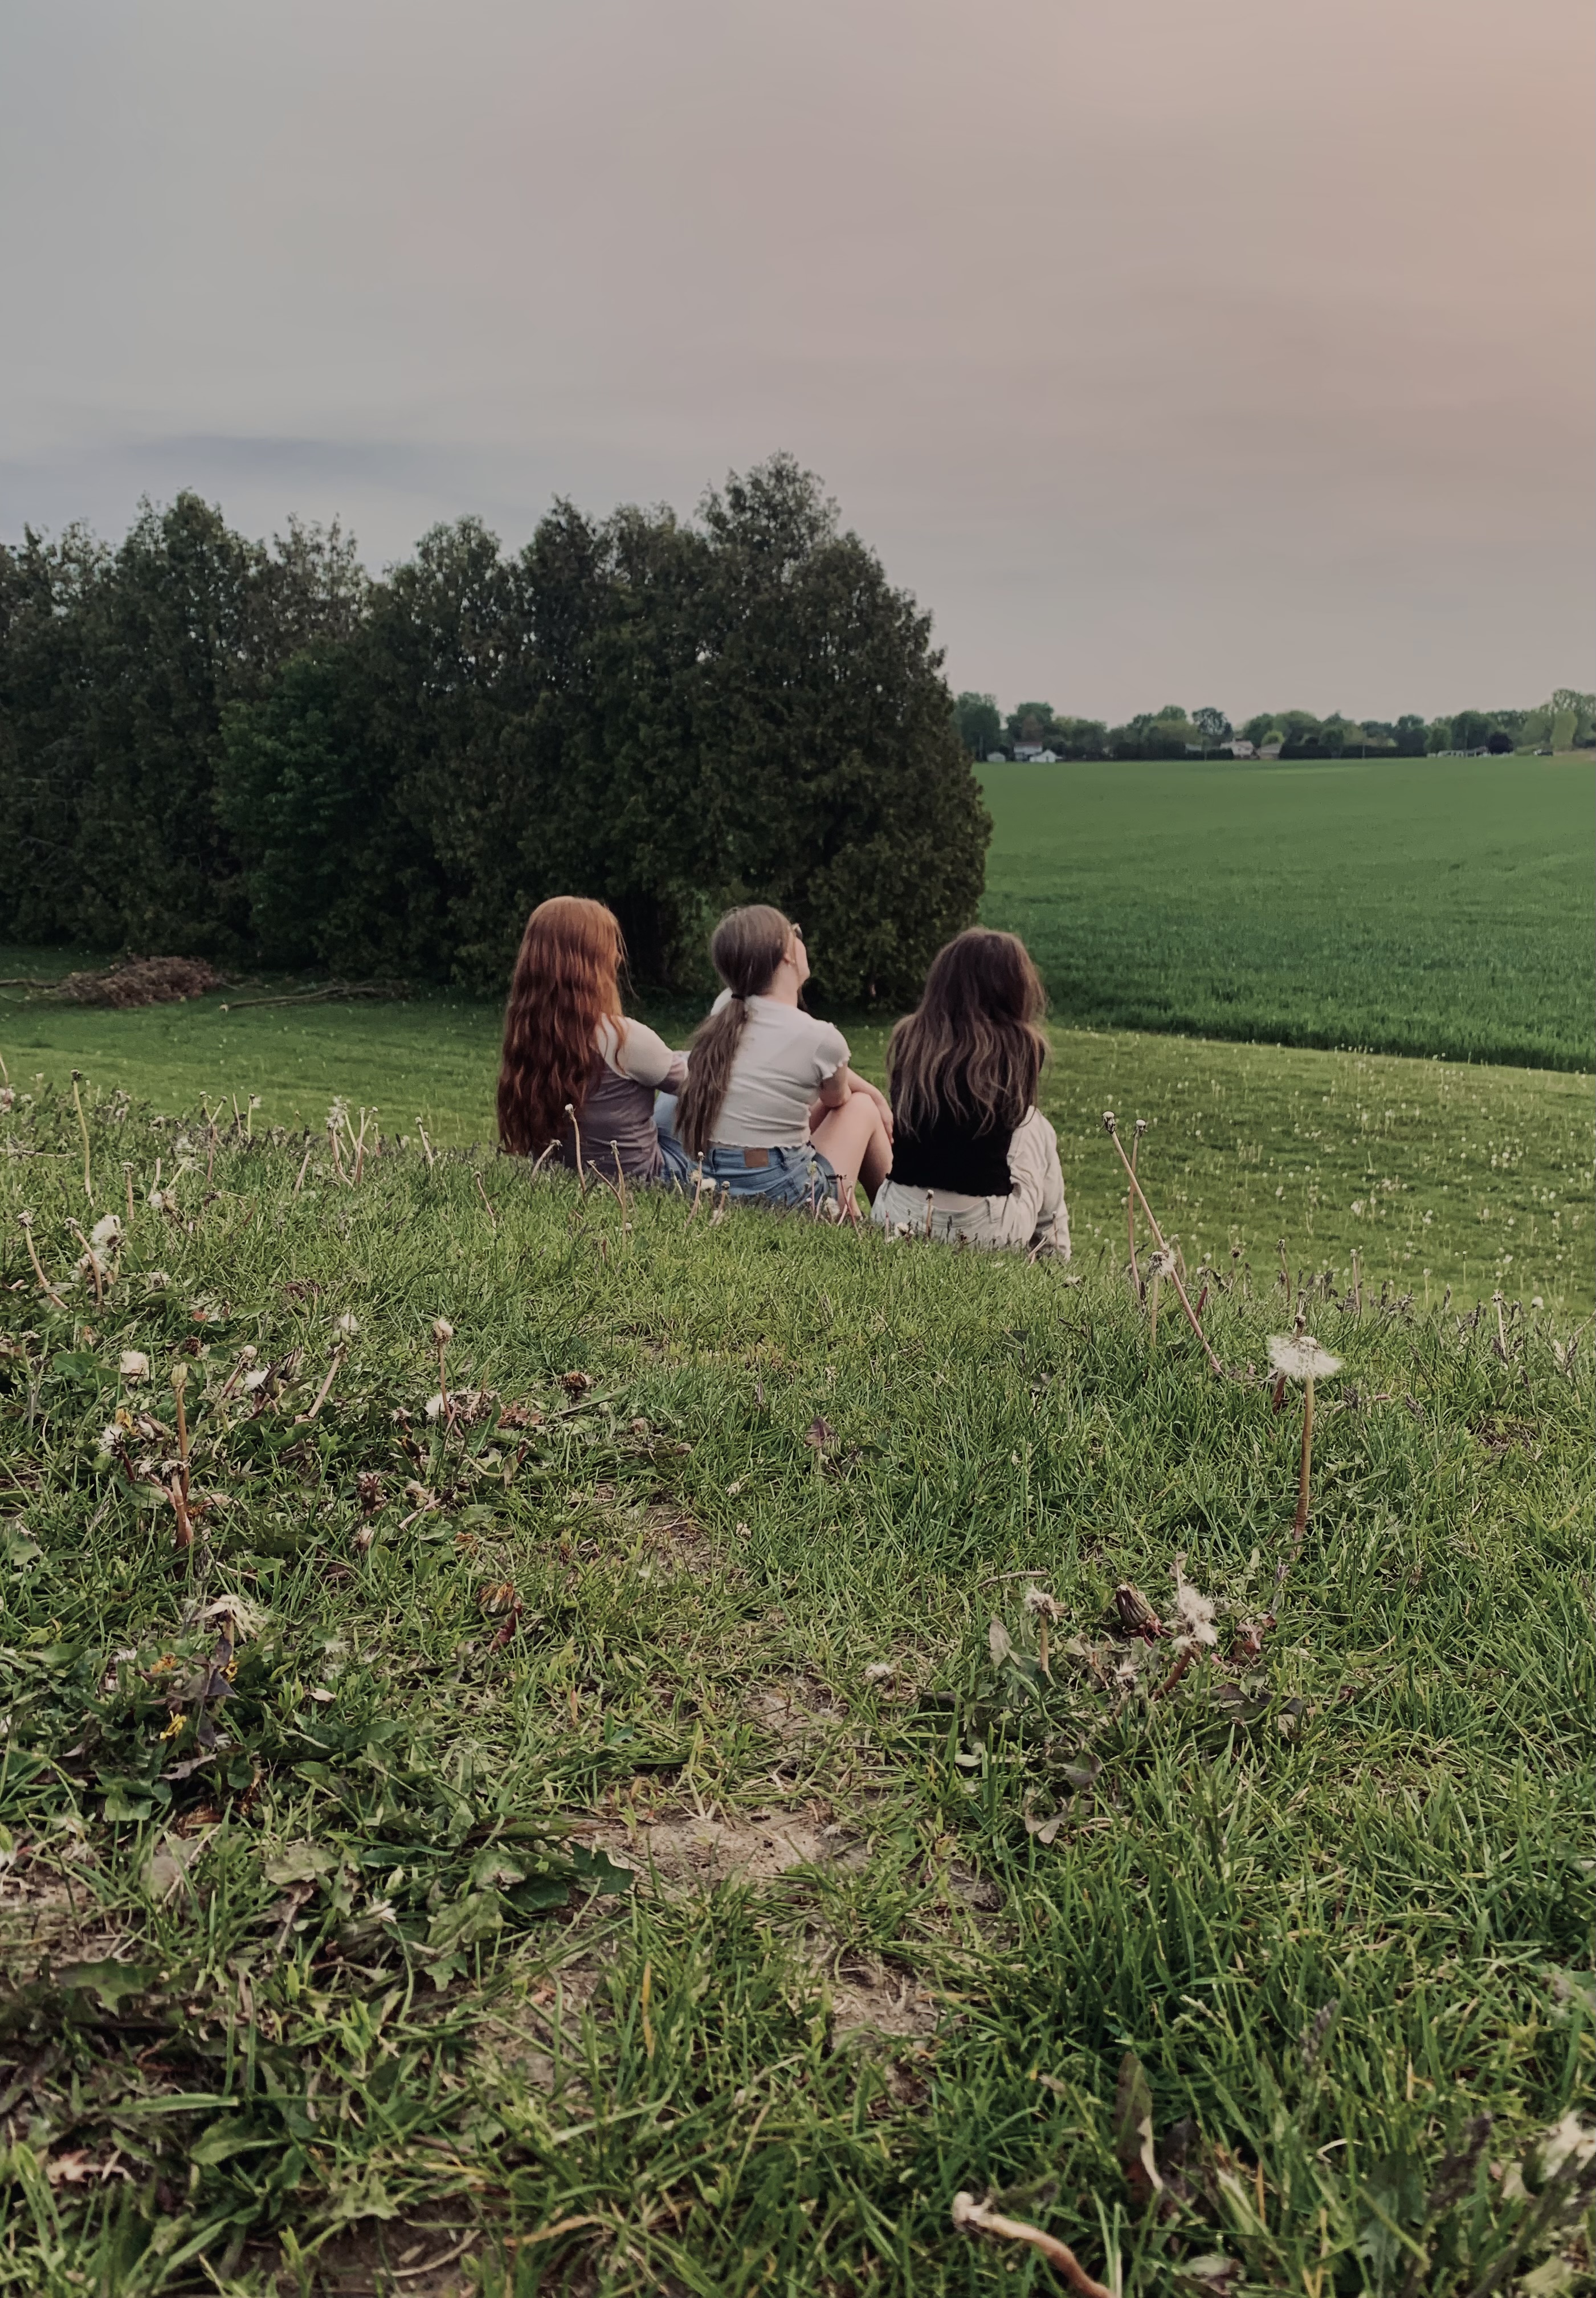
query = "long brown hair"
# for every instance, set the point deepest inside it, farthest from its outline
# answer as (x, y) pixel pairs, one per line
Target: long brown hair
(747, 946)
(971, 1049)
(566, 981)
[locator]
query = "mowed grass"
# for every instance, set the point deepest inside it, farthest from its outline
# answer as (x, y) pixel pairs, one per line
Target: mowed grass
(321, 1971)
(1426, 907)
(1435, 1174)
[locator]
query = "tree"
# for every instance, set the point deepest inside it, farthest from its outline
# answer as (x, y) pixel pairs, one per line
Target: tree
(1030, 722)
(1211, 724)
(979, 726)
(116, 772)
(672, 717)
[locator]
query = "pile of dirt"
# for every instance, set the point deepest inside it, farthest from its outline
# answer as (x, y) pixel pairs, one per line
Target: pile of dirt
(142, 982)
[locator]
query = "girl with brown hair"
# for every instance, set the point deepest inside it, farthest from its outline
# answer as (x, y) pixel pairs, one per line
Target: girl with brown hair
(972, 1156)
(770, 1105)
(576, 1076)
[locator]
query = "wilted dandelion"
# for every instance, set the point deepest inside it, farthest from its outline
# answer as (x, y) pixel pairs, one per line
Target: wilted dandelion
(106, 1234)
(1046, 1608)
(348, 1327)
(133, 1365)
(1298, 1356)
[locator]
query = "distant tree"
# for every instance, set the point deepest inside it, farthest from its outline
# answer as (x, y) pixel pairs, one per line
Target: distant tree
(1499, 741)
(1439, 736)
(1563, 730)
(980, 725)
(1469, 729)
(1582, 706)
(1409, 734)
(1170, 713)
(1030, 722)
(1211, 724)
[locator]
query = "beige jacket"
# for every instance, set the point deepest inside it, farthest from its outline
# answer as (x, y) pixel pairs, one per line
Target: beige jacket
(1033, 1218)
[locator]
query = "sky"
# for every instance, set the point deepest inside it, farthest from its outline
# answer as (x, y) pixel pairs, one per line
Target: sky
(1236, 353)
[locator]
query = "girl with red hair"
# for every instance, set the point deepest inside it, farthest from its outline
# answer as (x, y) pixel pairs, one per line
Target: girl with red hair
(575, 1074)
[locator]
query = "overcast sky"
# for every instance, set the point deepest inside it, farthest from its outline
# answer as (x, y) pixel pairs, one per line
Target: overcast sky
(1234, 353)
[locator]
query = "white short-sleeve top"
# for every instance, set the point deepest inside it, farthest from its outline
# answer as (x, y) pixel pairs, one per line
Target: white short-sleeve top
(783, 1059)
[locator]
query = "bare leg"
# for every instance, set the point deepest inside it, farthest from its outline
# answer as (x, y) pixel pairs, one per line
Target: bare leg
(854, 1139)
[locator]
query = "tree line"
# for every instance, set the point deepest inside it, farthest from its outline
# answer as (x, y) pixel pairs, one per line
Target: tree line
(218, 747)
(1565, 721)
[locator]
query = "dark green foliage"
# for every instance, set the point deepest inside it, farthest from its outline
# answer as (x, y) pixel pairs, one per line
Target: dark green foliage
(115, 672)
(221, 749)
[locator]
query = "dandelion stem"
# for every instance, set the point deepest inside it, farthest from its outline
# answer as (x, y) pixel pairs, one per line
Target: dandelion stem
(44, 1283)
(968, 2212)
(325, 1390)
(127, 1175)
(1301, 1493)
(300, 1184)
(482, 1193)
(89, 1190)
(1213, 1362)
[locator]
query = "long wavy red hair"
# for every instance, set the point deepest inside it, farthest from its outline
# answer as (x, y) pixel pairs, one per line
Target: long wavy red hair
(567, 979)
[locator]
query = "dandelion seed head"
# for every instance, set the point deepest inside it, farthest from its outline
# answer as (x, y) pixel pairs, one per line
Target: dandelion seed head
(348, 1326)
(107, 1230)
(1194, 1611)
(133, 1365)
(436, 1405)
(443, 1330)
(1298, 1356)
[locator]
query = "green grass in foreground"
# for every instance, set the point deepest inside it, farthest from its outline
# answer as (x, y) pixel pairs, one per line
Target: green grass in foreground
(1413, 906)
(1435, 1173)
(316, 1970)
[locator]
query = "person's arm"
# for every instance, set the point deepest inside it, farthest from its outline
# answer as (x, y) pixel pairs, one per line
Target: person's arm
(1038, 1180)
(842, 1084)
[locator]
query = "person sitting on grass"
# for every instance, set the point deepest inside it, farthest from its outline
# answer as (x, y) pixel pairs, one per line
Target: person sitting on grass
(769, 1105)
(972, 1156)
(576, 1077)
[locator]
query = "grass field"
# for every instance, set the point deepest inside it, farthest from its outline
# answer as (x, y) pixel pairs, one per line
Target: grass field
(590, 1837)
(1414, 906)
(1480, 1176)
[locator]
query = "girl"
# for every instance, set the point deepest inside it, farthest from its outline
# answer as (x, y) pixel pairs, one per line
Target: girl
(770, 1104)
(972, 1156)
(574, 1069)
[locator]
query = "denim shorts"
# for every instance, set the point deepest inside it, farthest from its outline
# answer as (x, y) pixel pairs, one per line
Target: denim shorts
(799, 1177)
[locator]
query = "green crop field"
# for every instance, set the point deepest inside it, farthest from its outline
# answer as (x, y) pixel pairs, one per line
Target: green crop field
(591, 1809)
(1435, 1173)
(1429, 907)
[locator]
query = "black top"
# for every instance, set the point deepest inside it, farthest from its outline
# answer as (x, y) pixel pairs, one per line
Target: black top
(953, 1155)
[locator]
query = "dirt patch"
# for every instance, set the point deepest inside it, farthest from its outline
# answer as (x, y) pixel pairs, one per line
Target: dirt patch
(871, 1996)
(395, 2258)
(142, 982)
(684, 1851)
(677, 1543)
(796, 1708)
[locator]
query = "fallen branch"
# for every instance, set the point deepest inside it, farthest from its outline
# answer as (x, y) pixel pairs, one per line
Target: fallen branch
(328, 993)
(968, 2212)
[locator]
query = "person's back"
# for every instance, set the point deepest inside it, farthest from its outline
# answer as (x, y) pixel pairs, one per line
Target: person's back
(972, 1156)
(770, 1109)
(577, 1078)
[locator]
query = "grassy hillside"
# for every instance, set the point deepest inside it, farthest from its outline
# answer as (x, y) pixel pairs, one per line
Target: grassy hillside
(1480, 1176)
(1415, 906)
(593, 1836)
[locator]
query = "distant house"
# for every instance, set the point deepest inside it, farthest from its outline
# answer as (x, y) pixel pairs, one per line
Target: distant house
(1240, 749)
(1271, 750)
(1033, 754)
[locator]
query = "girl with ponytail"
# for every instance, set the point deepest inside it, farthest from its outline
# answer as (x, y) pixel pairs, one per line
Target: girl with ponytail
(576, 1076)
(769, 1104)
